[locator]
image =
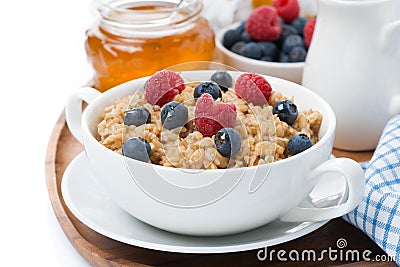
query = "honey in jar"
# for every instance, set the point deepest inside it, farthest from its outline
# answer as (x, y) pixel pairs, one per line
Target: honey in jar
(258, 3)
(134, 38)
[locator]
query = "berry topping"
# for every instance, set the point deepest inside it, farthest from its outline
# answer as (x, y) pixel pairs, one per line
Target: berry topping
(299, 23)
(253, 88)
(269, 49)
(245, 37)
(286, 111)
(288, 10)
(230, 37)
(292, 41)
(210, 116)
(207, 87)
(238, 47)
(309, 31)
(283, 58)
(286, 31)
(299, 143)
(297, 54)
(269, 27)
(241, 28)
(137, 116)
(263, 24)
(228, 142)
(173, 115)
(267, 58)
(163, 86)
(223, 79)
(137, 148)
(252, 50)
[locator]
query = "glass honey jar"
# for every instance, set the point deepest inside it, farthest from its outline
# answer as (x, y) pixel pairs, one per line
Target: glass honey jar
(135, 38)
(258, 3)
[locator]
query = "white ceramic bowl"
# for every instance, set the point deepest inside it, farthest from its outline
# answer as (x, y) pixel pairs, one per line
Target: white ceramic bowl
(214, 202)
(288, 71)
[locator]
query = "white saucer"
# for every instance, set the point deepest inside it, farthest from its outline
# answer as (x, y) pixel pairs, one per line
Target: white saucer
(89, 202)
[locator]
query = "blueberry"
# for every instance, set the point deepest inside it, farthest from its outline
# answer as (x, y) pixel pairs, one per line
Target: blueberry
(173, 115)
(293, 40)
(207, 87)
(299, 143)
(238, 47)
(283, 58)
(137, 148)
(269, 49)
(297, 54)
(241, 28)
(286, 111)
(252, 50)
(228, 142)
(223, 79)
(230, 37)
(245, 37)
(137, 116)
(286, 31)
(267, 58)
(298, 23)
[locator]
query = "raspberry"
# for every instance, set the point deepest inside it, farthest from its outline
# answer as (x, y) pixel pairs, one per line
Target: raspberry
(288, 10)
(309, 31)
(163, 86)
(253, 88)
(263, 24)
(210, 117)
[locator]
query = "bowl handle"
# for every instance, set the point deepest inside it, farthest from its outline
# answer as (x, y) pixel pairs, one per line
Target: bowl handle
(355, 181)
(73, 109)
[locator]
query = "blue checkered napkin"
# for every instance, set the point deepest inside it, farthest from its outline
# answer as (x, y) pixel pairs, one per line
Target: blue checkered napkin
(378, 215)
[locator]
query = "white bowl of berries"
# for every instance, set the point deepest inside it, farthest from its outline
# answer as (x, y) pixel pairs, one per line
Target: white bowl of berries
(273, 41)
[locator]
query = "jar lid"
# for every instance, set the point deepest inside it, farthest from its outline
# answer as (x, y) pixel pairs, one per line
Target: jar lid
(148, 19)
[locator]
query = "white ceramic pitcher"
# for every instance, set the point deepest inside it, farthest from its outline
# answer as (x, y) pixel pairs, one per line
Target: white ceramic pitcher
(354, 63)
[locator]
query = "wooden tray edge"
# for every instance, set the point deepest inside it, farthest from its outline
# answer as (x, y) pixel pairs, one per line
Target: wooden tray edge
(92, 254)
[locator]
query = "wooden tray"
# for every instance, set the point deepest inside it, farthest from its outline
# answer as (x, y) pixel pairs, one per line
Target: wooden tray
(99, 250)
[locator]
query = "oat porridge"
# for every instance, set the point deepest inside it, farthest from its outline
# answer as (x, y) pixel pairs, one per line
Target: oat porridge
(208, 125)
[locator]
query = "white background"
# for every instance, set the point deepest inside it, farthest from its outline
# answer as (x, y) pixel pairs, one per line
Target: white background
(42, 60)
